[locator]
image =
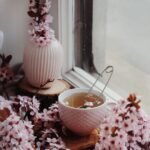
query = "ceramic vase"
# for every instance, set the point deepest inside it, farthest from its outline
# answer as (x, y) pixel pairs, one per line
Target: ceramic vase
(43, 63)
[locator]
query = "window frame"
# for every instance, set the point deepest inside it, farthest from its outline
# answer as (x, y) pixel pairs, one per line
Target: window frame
(75, 75)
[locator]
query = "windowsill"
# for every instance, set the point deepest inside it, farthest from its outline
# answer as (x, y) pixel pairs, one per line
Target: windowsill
(79, 78)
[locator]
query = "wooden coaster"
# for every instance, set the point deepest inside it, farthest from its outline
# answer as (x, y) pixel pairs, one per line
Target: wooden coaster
(55, 87)
(75, 142)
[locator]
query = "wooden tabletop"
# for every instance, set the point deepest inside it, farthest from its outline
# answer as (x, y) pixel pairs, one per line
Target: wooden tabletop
(53, 88)
(74, 142)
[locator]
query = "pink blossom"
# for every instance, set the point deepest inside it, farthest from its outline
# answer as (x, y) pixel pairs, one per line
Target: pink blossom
(51, 140)
(24, 105)
(40, 32)
(50, 114)
(126, 128)
(16, 134)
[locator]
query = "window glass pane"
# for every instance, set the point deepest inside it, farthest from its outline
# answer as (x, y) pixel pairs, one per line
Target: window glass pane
(121, 37)
(128, 46)
(83, 34)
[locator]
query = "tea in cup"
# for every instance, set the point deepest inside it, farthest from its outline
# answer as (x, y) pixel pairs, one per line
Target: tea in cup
(80, 111)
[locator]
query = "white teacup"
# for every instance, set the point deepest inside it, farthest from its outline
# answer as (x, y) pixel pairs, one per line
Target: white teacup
(79, 120)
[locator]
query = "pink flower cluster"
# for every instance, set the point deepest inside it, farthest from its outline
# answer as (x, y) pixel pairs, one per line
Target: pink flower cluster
(50, 114)
(15, 133)
(51, 140)
(25, 106)
(5, 104)
(127, 128)
(39, 132)
(40, 31)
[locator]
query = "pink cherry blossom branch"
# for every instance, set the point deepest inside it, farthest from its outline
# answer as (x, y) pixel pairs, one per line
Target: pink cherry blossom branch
(40, 31)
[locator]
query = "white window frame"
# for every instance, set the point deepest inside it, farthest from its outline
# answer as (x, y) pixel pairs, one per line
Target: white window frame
(76, 76)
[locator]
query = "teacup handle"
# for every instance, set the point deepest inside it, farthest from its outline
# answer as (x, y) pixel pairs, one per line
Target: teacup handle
(110, 104)
(107, 108)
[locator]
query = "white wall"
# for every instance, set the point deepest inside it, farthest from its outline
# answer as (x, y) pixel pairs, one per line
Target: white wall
(14, 24)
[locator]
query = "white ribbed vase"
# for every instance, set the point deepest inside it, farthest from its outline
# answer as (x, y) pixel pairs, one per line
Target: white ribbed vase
(43, 63)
